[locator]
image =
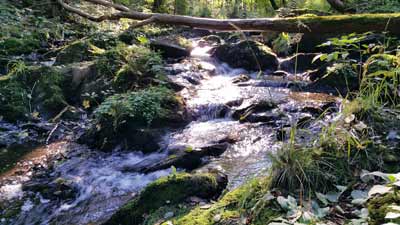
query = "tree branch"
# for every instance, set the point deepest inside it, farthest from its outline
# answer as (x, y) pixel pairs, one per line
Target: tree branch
(301, 24)
(110, 4)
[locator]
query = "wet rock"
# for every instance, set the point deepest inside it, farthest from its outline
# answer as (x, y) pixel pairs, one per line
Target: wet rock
(317, 110)
(187, 157)
(169, 50)
(304, 63)
(338, 78)
(263, 117)
(212, 40)
(58, 189)
(281, 73)
(168, 215)
(126, 137)
(241, 78)
(249, 55)
(251, 106)
(304, 120)
(78, 73)
(175, 189)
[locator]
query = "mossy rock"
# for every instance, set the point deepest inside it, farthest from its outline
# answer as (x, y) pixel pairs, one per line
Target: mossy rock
(14, 101)
(173, 189)
(19, 46)
(250, 55)
(77, 51)
(32, 89)
(243, 202)
(378, 207)
(133, 119)
(340, 77)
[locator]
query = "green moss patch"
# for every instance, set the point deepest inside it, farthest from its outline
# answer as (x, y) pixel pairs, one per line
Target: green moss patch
(29, 89)
(243, 202)
(173, 189)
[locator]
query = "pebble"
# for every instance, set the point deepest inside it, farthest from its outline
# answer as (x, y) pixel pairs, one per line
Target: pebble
(168, 215)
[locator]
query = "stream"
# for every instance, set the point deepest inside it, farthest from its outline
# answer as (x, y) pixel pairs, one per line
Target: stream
(88, 186)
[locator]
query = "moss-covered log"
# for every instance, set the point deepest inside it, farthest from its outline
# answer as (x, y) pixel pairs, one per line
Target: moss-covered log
(302, 24)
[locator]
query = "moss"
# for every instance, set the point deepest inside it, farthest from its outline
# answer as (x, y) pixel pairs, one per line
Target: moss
(13, 211)
(173, 189)
(142, 65)
(77, 51)
(18, 46)
(158, 215)
(13, 100)
(141, 108)
(31, 89)
(378, 207)
(243, 201)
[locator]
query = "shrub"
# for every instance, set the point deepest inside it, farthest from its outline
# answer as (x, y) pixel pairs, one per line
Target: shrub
(140, 108)
(28, 89)
(141, 63)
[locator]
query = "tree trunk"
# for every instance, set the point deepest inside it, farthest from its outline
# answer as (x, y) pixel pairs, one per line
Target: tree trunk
(274, 5)
(302, 24)
(157, 5)
(337, 5)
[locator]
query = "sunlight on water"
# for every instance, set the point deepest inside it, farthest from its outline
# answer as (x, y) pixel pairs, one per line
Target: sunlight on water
(11, 191)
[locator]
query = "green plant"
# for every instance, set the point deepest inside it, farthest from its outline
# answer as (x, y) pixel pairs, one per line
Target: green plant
(381, 79)
(141, 63)
(297, 168)
(282, 44)
(141, 107)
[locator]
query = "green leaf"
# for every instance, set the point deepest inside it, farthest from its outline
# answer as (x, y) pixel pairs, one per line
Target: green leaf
(143, 40)
(321, 57)
(288, 203)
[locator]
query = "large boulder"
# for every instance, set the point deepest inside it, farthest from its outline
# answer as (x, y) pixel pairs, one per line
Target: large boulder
(250, 55)
(173, 189)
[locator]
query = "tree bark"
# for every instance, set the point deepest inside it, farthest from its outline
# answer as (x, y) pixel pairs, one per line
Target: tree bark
(274, 5)
(302, 24)
(157, 5)
(337, 5)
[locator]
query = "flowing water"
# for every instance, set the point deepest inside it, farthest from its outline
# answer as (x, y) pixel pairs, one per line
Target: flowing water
(99, 185)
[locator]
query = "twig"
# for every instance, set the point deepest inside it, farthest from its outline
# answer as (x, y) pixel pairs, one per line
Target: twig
(51, 133)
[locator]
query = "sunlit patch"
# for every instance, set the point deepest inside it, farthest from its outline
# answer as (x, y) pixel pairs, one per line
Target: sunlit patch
(11, 191)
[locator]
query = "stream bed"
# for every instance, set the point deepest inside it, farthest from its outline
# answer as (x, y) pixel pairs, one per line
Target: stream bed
(88, 186)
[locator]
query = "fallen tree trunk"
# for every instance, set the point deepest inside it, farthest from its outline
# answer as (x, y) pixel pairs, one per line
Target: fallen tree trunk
(302, 24)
